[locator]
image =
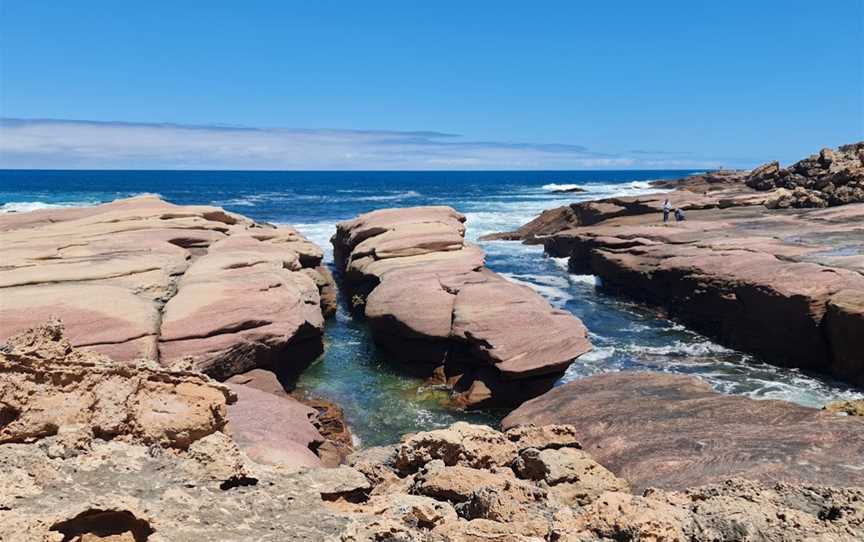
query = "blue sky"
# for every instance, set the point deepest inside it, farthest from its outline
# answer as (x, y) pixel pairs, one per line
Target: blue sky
(427, 85)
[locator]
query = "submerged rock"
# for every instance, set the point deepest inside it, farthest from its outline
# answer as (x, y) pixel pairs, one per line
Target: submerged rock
(188, 285)
(674, 431)
(437, 310)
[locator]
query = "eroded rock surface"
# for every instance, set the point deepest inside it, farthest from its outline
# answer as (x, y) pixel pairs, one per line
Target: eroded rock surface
(832, 177)
(433, 305)
(143, 278)
(674, 431)
(47, 386)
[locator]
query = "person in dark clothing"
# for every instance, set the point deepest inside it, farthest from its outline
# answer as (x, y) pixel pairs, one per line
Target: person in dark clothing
(679, 215)
(667, 207)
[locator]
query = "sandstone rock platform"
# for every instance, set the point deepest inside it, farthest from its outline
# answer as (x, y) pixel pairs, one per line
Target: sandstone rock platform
(189, 285)
(674, 431)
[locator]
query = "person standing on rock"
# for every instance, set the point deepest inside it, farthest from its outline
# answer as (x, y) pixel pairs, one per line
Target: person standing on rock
(667, 208)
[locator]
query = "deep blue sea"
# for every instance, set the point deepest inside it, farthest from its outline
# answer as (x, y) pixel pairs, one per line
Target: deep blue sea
(379, 401)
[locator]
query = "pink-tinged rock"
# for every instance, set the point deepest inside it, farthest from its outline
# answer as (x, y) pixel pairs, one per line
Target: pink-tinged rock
(513, 328)
(143, 278)
(673, 431)
(755, 279)
(273, 429)
(434, 307)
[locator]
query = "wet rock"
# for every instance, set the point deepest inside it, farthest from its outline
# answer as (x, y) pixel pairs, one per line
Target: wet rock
(434, 307)
(143, 278)
(674, 431)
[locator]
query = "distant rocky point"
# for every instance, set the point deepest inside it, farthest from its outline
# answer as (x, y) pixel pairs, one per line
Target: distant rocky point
(752, 273)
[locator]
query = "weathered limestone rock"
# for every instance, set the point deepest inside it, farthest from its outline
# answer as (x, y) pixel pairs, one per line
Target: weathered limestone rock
(673, 431)
(462, 444)
(142, 278)
(432, 305)
(47, 386)
(113, 490)
(832, 177)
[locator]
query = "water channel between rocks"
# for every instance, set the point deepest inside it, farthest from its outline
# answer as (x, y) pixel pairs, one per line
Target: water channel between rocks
(380, 402)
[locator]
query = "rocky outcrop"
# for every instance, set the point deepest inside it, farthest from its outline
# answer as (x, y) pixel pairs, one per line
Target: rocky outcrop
(141, 278)
(785, 286)
(455, 488)
(709, 191)
(674, 431)
(431, 304)
(832, 177)
(456, 484)
(46, 387)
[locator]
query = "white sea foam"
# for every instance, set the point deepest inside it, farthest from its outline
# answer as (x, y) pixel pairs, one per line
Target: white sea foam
(28, 206)
(550, 287)
(552, 187)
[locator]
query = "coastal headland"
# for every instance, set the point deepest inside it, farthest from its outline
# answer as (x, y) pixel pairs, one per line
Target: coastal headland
(150, 352)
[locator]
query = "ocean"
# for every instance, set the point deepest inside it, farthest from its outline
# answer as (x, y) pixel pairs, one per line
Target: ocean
(381, 402)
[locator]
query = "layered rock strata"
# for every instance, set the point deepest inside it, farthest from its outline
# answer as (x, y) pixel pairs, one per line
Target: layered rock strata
(433, 305)
(141, 278)
(785, 285)
(674, 431)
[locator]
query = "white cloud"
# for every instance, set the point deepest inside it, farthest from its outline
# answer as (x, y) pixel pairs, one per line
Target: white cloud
(49, 143)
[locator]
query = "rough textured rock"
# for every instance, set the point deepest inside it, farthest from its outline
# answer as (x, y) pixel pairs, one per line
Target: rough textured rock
(142, 278)
(832, 177)
(462, 444)
(47, 386)
(116, 490)
(673, 431)
(850, 408)
(432, 305)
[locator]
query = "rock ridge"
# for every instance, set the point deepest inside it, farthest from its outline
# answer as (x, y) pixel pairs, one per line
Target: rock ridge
(432, 304)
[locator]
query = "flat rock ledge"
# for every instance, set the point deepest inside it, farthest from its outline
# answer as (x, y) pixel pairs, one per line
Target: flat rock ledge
(192, 286)
(432, 304)
(674, 431)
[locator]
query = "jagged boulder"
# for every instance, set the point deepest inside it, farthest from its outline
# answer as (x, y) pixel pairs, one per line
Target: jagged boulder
(832, 177)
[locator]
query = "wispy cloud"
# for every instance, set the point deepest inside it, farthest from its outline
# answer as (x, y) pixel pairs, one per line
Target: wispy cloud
(53, 143)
